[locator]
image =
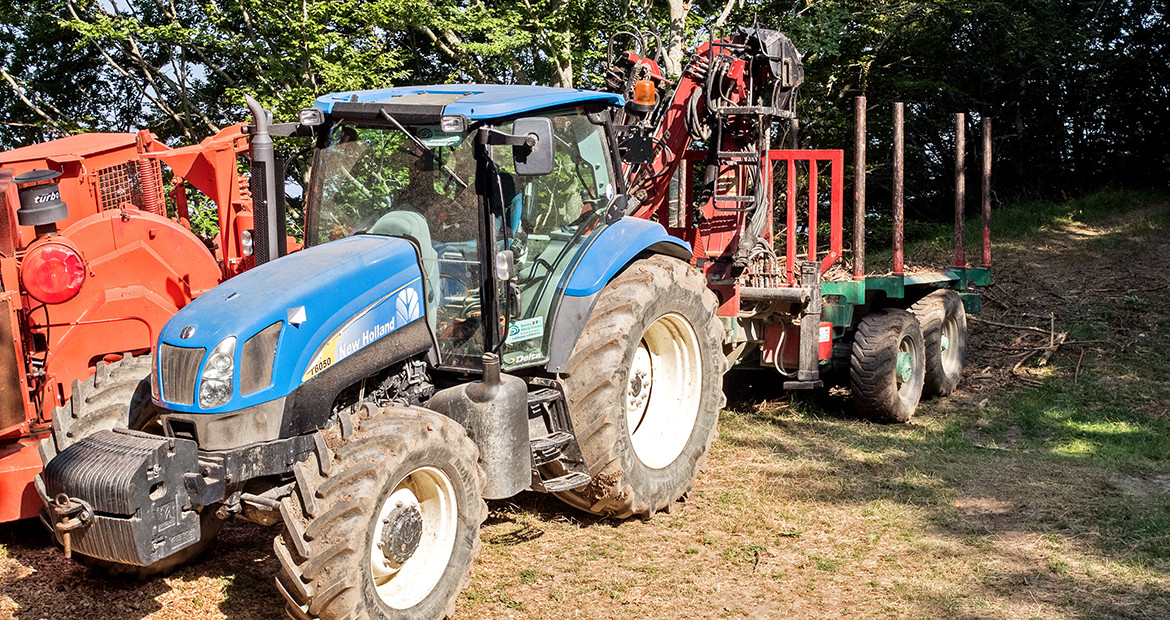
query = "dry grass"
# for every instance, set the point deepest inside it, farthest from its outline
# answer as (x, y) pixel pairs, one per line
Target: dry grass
(1009, 500)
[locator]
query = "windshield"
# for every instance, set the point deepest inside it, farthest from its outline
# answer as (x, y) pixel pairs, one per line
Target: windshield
(367, 173)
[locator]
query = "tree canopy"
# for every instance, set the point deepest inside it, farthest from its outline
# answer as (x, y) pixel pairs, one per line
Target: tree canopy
(1079, 89)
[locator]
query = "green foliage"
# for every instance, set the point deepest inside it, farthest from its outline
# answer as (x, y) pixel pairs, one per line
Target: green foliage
(1078, 89)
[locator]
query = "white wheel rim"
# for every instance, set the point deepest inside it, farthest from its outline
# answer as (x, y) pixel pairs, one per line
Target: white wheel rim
(663, 390)
(405, 585)
(949, 356)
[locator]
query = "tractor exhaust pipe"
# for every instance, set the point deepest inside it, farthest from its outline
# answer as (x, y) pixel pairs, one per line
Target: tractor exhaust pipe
(267, 239)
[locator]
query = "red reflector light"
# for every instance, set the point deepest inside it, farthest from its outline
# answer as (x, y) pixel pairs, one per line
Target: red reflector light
(52, 273)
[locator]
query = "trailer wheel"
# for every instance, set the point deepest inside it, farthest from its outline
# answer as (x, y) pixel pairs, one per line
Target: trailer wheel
(944, 337)
(118, 396)
(389, 526)
(644, 388)
(887, 366)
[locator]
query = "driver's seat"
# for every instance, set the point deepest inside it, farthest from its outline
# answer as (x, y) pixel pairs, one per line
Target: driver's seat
(413, 226)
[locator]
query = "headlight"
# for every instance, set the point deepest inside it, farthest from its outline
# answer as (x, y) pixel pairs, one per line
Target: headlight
(216, 387)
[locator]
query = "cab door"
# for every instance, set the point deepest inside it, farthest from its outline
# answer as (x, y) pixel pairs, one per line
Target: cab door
(547, 222)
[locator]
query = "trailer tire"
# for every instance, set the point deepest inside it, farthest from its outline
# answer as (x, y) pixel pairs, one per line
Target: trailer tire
(886, 366)
(408, 464)
(117, 395)
(649, 359)
(944, 336)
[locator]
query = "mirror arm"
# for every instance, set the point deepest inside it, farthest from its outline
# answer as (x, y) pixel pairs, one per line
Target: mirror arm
(494, 137)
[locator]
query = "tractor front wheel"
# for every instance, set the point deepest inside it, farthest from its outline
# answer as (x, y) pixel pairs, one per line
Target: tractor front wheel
(944, 337)
(886, 366)
(644, 388)
(388, 527)
(117, 395)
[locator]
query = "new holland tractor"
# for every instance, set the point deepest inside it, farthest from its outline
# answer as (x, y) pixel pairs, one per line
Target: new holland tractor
(490, 301)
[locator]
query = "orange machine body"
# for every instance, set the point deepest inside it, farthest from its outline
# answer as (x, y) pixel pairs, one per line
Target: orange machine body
(140, 268)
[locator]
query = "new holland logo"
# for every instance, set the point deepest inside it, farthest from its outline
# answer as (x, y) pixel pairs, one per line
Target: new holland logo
(407, 307)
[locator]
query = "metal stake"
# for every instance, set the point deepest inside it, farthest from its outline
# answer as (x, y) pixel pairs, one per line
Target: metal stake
(986, 191)
(859, 189)
(960, 188)
(899, 166)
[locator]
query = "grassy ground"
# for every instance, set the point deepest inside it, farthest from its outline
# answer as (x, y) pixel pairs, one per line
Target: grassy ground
(1037, 491)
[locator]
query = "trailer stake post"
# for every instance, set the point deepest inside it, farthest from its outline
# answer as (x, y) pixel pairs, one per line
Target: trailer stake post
(986, 192)
(859, 189)
(960, 188)
(899, 168)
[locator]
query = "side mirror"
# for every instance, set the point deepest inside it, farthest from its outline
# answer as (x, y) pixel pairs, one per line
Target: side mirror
(534, 159)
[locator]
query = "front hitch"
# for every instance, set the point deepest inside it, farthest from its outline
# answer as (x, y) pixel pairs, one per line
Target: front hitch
(72, 514)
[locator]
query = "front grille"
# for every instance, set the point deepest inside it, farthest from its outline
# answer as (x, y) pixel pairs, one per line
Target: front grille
(178, 368)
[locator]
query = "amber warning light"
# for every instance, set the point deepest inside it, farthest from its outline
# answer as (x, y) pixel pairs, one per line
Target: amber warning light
(645, 96)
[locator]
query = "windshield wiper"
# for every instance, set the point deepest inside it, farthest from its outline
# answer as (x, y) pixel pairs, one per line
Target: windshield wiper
(419, 143)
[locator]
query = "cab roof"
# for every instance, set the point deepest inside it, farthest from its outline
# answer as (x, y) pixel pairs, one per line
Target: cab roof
(473, 101)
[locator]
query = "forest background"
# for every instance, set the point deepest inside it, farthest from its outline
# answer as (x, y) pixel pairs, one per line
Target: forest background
(1079, 90)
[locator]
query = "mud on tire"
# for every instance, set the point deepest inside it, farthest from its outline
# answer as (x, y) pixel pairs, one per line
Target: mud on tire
(117, 395)
(944, 337)
(356, 493)
(644, 388)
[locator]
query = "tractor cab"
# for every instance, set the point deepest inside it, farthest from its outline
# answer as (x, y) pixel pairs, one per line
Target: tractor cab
(497, 188)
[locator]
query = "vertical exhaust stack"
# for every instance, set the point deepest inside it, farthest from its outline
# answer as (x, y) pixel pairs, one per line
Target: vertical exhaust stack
(267, 239)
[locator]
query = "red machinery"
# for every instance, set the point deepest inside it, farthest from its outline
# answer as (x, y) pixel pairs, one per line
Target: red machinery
(85, 286)
(783, 302)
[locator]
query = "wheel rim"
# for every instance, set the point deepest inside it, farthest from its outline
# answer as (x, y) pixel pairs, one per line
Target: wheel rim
(949, 343)
(663, 390)
(908, 367)
(403, 582)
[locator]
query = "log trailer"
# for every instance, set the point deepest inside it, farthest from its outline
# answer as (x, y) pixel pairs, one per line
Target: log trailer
(498, 295)
(91, 268)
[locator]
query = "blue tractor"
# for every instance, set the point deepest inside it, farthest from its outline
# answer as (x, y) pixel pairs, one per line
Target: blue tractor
(475, 314)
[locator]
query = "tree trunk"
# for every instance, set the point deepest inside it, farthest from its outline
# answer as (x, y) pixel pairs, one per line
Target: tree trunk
(673, 56)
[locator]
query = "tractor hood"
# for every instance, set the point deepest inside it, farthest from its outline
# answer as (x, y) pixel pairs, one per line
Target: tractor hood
(307, 299)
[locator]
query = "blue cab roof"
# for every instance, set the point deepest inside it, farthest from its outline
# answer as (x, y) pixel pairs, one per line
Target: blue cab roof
(474, 101)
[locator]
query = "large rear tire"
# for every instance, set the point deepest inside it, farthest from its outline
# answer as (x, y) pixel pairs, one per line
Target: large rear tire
(117, 395)
(886, 366)
(944, 337)
(644, 388)
(389, 527)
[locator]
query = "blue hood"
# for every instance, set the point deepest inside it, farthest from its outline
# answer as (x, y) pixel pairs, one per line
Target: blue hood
(332, 283)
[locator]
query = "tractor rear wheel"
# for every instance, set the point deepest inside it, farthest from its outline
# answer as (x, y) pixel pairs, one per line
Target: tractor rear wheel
(644, 388)
(388, 527)
(117, 395)
(944, 337)
(886, 366)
